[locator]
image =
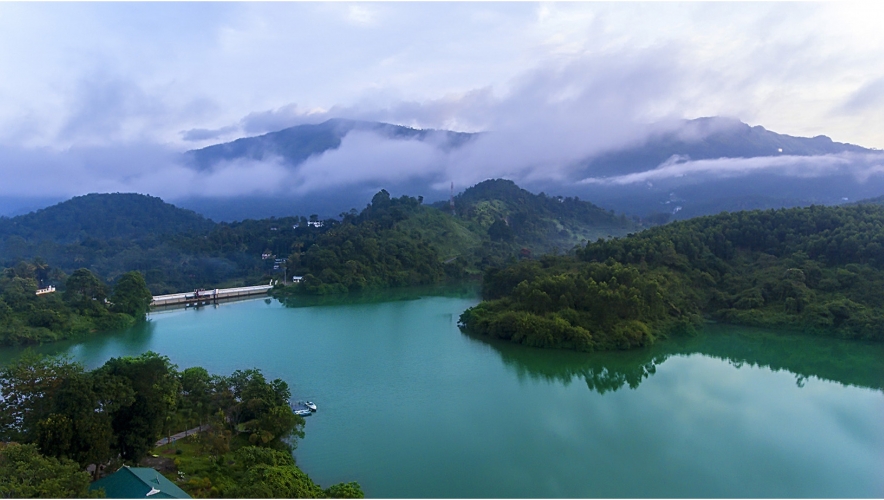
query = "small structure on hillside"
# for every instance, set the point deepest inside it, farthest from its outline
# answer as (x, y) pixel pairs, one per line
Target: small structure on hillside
(137, 482)
(48, 289)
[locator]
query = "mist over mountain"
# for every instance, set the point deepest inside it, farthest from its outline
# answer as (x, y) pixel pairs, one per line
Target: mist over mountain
(711, 138)
(683, 168)
(298, 143)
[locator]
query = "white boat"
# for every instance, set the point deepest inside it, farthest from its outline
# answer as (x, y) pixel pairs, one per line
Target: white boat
(310, 405)
(302, 413)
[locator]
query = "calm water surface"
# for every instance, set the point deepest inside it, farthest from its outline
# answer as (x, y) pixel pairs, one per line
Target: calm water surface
(411, 407)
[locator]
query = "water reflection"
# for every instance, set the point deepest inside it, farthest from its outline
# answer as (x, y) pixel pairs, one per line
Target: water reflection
(848, 362)
(380, 295)
(136, 339)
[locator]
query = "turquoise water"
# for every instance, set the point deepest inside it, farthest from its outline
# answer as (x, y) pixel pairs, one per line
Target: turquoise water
(411, 407)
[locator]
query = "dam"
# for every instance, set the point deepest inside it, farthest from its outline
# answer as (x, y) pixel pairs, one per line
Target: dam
(203, 297)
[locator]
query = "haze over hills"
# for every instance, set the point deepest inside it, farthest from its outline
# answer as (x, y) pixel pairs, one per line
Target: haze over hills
(693, 167)
(296, 144)
(711, 138)
(674, 169)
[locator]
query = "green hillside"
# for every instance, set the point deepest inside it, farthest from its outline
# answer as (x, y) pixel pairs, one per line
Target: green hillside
(816, 269)
(537, 222)
(102, 217)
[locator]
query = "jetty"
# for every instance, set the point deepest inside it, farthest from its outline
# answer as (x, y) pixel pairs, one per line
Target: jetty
(205, 297)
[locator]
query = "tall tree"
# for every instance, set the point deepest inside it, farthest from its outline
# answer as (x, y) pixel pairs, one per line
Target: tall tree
(27, 388)
(155, 384)
(83, 290)
(131, 295)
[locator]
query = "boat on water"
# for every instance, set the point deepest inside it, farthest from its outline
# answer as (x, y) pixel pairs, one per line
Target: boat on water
(303, 408)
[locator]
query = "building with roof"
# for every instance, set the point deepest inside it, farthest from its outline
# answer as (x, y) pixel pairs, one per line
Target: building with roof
(137, 482)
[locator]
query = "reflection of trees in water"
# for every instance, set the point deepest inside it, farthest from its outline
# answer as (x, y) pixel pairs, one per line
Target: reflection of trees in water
(379, 295)
(846, 362)
(602, 372)
(91, 346)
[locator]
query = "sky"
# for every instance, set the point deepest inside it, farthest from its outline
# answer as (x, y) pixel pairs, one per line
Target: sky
(101, 97)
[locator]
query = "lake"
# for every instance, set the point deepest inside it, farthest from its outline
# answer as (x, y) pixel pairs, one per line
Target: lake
(411, 407)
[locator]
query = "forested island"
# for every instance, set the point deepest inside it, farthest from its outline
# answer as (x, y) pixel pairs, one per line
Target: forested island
(815, 269)
(56, 419)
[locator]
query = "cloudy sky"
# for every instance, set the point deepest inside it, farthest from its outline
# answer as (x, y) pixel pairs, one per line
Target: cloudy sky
(101, 97)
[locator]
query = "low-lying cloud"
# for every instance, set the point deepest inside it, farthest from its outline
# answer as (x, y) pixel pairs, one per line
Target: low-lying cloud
(860, 166)
(543, 127)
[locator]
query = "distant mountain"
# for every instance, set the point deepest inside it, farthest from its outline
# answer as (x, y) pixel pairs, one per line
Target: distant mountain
(103, 216)
(676, 197)
(712, 138)
(296, 144)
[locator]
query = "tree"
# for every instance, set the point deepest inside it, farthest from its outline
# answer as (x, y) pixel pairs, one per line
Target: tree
(131, 295)
(344, 490)
(25, 473)
(266, 473)
(83, 290)
(500, 231)
(27, 388)
(79, 426)
(262, 408)
(196, 395)
(153, 379)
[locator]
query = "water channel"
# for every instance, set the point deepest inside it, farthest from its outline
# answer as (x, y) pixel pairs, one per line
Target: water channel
(411, 407)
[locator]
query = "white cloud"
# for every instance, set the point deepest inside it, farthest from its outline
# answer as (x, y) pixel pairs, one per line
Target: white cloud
(860, 166)
(557, 83)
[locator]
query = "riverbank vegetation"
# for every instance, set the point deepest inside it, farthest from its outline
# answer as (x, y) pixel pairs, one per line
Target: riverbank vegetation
(83, 305)
(59, 414)
(817, 269)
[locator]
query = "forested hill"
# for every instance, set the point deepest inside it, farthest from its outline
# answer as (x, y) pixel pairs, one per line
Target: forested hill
(815, 269)
(538, 222)
(102, 217)
(394, 241)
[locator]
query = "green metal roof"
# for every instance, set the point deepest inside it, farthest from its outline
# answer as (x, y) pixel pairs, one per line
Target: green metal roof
(138, 482)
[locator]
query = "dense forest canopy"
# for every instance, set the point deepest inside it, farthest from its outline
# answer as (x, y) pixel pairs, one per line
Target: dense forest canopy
(63, 418)
(537, 222)
(815, 269)
(392, 242)
(83, 305)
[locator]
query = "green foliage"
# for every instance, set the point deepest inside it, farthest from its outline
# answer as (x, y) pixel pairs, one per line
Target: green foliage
(28, 387)
(562, 303)
(539, 223)
(816, 269)
(155, 385)
(344, 490)
(25, 473)
(392, 242)
(261, 408)
(81, 308)
(131, 295)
